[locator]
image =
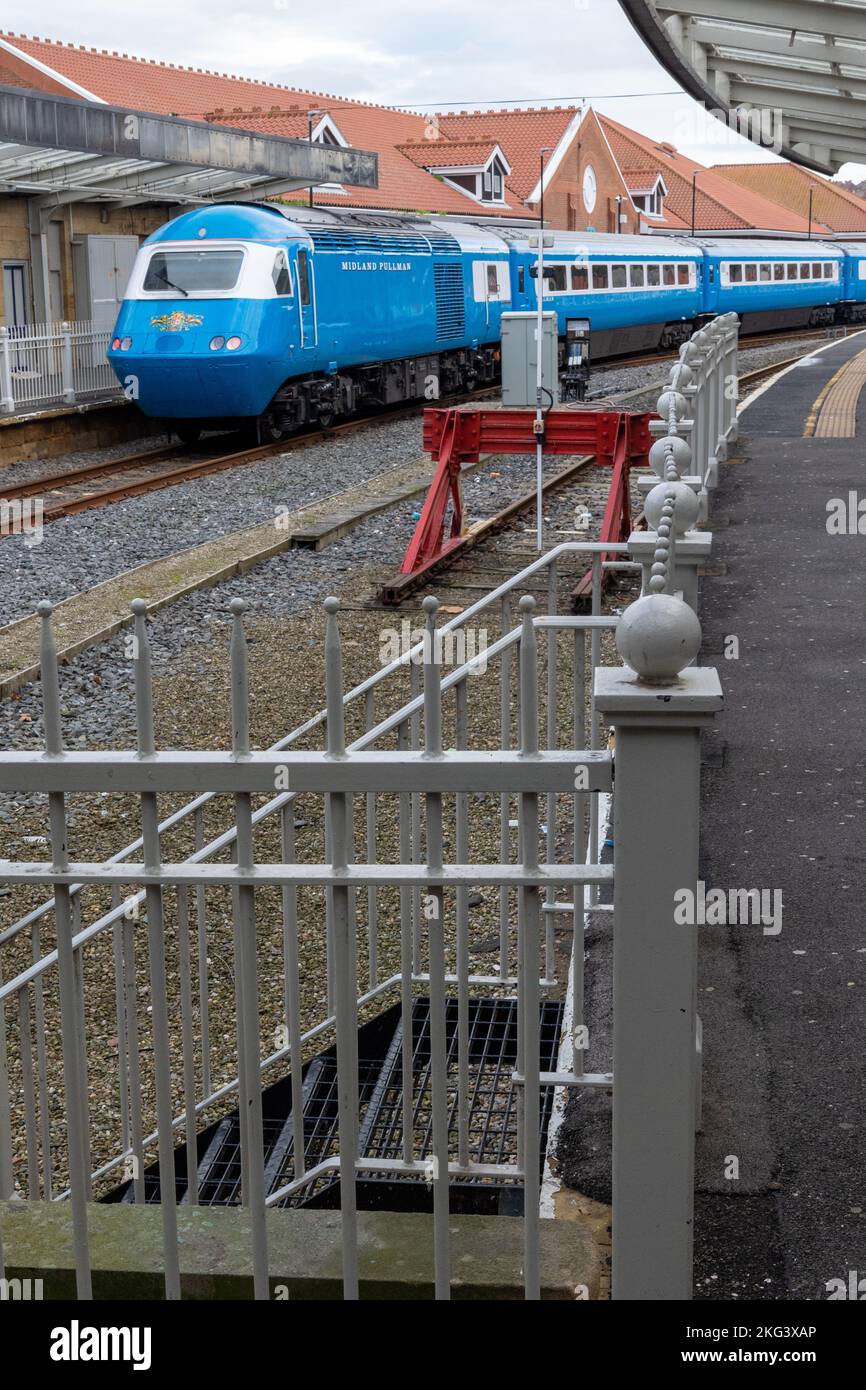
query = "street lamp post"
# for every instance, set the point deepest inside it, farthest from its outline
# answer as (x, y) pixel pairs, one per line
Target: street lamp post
(694, 197)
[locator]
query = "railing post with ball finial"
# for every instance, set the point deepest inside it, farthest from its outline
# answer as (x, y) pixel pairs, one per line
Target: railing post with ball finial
(657, 703)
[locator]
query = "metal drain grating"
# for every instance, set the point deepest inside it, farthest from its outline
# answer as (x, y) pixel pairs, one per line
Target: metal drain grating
(492, 1115)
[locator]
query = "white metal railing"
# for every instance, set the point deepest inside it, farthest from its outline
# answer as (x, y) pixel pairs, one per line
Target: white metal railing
(53, 363)
(392, 892)
(376, 902)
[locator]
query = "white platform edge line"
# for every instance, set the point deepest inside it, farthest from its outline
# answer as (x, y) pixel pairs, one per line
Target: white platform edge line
(792, 367)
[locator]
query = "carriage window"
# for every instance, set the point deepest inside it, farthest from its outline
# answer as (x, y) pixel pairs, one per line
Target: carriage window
(764, 273)
(653, 275)
(521, 279)
(280, 274)
(778, 271)
(304, 275)
(817, 272)
(828, 271)
(669, 274)
(554, 276)
(792, 271)
(492, 282)
(682, 274)
(751, 273)
(735, 274)
(580, 277)
(617, 277)
(636, 275)
(599, 277)
(805, 271)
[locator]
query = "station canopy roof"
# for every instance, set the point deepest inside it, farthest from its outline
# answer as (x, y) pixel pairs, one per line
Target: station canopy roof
(790, 74)
(64, 150)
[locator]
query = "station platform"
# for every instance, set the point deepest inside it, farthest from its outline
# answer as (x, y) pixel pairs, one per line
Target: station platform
(784, 808)
(51, 431)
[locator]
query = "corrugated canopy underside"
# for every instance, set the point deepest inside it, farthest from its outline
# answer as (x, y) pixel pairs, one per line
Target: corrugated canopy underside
(790, 74)
(69, 151)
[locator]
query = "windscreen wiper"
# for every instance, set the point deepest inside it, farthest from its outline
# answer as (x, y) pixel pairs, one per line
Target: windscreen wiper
(158, 275)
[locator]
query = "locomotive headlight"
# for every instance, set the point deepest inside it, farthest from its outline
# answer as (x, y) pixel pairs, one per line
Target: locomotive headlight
(125, 344)
(233, 343)
(115, 345)
(217, 342)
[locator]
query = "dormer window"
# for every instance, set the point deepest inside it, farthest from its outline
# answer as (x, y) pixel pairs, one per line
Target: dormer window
(492, 183)
(481, 172)
(651, 200)
(325, 132)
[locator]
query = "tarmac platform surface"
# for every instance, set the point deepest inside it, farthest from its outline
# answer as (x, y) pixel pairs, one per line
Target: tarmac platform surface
(784, 807)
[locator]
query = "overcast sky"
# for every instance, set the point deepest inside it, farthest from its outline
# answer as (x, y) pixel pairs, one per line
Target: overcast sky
(439, 53)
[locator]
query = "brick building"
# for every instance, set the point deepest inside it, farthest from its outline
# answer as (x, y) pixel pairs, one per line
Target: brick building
(611, 176)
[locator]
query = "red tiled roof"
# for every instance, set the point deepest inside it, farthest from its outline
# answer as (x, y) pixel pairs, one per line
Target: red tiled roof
(835, 206)
(449, 154)
(719, 203)
(165, 87)
(403, 183)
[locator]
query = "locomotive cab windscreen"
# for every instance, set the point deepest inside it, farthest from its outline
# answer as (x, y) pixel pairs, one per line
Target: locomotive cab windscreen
(219, 270)
(190, 271)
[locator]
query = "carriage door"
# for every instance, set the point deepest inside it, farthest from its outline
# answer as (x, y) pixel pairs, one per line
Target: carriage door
(307, 299)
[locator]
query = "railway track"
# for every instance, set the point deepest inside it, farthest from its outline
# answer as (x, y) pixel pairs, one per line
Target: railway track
(401, 587)
(754, 340)
(495, 535)
(115, 480)
(148, 470)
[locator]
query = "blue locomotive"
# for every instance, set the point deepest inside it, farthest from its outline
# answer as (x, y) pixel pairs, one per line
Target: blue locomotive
(284, 316)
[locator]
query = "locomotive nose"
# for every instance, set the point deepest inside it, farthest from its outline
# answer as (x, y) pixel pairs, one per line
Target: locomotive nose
(179, 364)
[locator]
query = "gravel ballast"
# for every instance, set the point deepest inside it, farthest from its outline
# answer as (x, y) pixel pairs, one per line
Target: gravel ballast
(84, 549)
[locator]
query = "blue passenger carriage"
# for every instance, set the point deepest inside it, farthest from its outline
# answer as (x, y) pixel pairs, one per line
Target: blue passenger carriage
(773, 284)
(854, 280)
(638, 292)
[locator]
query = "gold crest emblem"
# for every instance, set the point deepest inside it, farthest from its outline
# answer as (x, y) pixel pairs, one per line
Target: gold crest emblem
(176, 321)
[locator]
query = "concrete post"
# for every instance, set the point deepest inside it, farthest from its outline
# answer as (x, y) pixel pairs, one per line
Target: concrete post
(657, 714)
(67, 379)
(721, 449)
(7, 400)
(710, 396)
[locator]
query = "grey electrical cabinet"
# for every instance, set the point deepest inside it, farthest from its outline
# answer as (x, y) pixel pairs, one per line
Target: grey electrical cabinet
(519, 359)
